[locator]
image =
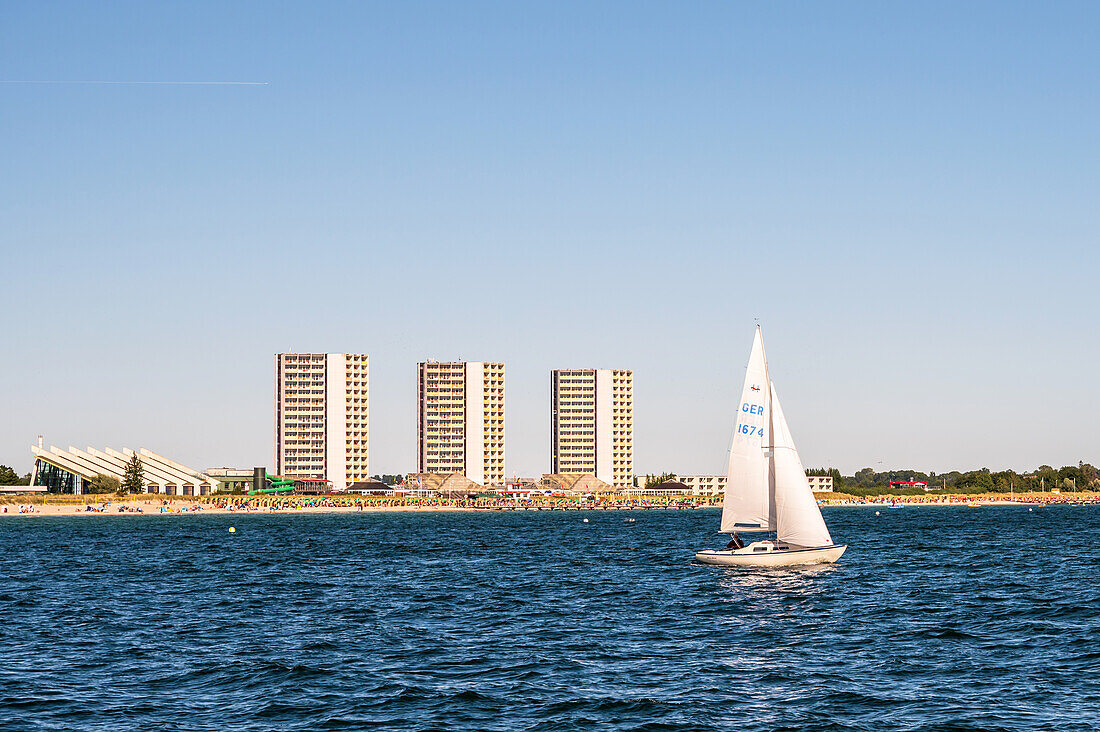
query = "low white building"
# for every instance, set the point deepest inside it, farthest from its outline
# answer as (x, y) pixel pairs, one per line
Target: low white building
(704, 485)
(715, 485)
(16, 489)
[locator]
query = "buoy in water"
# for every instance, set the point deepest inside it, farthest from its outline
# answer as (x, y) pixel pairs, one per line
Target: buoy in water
(586, 521)
(232, 530)
(1029, 510)
(877, 513)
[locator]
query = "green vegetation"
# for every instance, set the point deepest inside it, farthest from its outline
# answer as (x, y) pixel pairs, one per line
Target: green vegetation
(868, 482)
(134, 478)
(389, 479)
(102, 484)
(652, 480)
(235, 490)
(9, 477)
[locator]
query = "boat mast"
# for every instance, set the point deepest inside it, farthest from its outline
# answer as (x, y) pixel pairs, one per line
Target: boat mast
(770, 454)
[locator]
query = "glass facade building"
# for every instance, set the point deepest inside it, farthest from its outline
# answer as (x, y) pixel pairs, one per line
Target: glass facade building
(55, 479)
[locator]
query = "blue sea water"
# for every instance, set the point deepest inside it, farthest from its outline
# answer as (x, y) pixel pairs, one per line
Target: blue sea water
(935, 619)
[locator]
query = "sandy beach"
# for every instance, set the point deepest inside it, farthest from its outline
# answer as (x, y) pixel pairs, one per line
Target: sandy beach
(184, 507)
(147, 505)
(95, 505)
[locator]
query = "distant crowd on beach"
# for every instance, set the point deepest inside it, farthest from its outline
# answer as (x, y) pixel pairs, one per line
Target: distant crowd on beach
(541, 503)
(229, 504)
(1074, 499)
(28, 508)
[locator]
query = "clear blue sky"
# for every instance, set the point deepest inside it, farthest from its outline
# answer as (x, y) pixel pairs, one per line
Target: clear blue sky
(904, 194)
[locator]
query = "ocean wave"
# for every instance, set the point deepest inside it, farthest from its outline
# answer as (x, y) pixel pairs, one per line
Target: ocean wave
(437, 623)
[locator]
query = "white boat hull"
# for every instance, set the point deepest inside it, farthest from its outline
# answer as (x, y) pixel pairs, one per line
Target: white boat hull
(770, 554)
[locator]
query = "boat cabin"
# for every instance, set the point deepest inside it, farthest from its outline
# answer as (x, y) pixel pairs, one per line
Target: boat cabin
(766, 546)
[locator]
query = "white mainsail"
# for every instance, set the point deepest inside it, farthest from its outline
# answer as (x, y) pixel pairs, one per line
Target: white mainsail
(749, 502)
(799, 518)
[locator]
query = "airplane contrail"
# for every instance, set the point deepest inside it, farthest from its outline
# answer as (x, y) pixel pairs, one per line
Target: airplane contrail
(176, 83)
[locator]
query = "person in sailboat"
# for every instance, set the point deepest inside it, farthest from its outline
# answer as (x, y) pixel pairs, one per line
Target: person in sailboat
(735, 542)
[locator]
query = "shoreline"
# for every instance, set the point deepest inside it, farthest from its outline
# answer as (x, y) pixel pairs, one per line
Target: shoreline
(964, 500)
(192, 508)
(147, 505)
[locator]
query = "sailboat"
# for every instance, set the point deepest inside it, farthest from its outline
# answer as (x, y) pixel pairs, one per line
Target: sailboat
(766, 486)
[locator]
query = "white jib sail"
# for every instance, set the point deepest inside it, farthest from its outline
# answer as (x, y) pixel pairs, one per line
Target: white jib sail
(799, 518)
(749, 504)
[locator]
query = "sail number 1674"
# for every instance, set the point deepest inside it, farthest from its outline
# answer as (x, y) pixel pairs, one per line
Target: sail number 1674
(750, 429)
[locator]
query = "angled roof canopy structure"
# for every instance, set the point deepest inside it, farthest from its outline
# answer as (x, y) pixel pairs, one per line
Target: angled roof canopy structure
(69, 471)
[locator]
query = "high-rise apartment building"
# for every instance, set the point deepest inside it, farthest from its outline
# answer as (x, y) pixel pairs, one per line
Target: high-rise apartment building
(460, 419)
(592, 423)
(321, 417)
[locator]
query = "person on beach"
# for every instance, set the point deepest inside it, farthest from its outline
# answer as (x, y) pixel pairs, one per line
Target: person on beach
(735, 542)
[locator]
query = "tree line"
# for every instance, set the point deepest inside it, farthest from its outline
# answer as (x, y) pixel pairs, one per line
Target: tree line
(654, 480)
(868, 481)
(8, 476)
